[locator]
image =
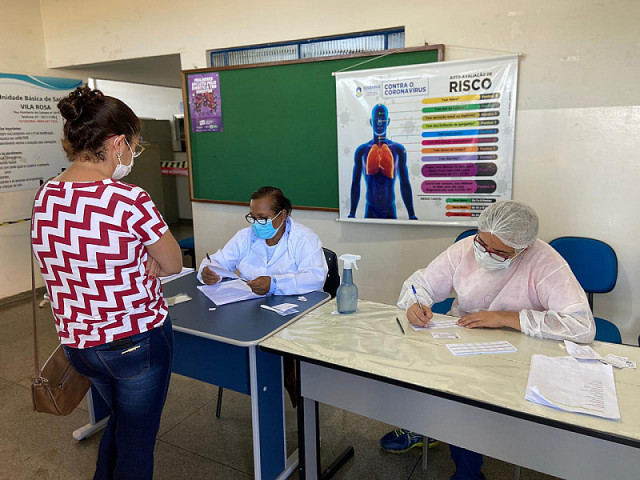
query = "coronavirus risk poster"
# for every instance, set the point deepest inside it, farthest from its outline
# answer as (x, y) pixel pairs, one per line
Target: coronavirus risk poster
(430, 143)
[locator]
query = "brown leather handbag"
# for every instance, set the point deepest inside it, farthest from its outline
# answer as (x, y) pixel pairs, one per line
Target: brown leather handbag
(56, 388)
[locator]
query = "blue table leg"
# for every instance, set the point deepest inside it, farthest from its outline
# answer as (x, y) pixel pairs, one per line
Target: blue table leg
(267, 415)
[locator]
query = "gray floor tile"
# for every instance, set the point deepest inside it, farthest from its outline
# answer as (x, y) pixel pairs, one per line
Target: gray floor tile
(185, 397)
(16, 340)
(173, 463)
(39, 446)
(227, 440)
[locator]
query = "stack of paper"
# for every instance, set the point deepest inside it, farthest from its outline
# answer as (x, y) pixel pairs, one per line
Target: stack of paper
(282, 309)
(228, 292)
(222, 272)
(566, 384)
(459, 349)
(435, 324)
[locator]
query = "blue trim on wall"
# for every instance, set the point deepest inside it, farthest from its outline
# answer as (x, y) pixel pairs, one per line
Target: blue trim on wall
(50, 83)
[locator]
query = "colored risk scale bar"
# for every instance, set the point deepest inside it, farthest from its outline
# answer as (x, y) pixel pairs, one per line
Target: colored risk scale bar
(458, 133)
(459, 149)
(470, 200)
(458, 186)
(455, 158)
(451, 141)
(459, 116)
(455, 108)
(481, 169)
(461, 98)
(470, 123)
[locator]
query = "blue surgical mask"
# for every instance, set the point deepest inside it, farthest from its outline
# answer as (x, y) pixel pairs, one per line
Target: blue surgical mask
(489, 263)
(265, 231)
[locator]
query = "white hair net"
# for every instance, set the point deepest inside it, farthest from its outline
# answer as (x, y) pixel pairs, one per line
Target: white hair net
(514, 223)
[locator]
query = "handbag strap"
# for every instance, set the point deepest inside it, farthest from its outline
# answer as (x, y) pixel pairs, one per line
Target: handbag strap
(34, 300)
(38, 372)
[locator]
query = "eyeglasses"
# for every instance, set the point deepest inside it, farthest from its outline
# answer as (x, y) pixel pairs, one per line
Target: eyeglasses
(137, 151)
(260, 221)
(497, 256)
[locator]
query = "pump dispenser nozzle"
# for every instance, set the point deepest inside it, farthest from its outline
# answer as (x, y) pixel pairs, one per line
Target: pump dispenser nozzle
(350, 260)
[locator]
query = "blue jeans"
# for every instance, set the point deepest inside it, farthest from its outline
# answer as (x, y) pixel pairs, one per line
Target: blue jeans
(133, 380)
(468, 464)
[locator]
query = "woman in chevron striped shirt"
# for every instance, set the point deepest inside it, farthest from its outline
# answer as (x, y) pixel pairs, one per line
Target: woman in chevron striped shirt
(101, 244)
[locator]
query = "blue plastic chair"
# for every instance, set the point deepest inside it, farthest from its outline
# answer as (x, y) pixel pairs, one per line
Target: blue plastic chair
(444, 306)
(188, 244)
(595, 265)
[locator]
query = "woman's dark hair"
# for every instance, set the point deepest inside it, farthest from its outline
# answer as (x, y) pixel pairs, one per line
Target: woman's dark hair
(90, 118)
(278, 201)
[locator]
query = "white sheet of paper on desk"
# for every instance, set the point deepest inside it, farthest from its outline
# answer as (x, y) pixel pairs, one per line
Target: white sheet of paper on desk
(222, 272)
(282, 309)
(566, 384)
(228, 292)
(581, 352)
(461, 349)
(168, 278)
(444, 335)
(615, 360)
(436, 324)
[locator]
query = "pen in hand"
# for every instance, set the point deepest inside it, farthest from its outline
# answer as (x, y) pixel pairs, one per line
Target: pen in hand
(400, 325)
(415, 294)
(208, 257)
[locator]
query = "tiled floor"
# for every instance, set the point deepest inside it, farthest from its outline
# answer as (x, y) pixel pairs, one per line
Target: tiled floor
(192, 443)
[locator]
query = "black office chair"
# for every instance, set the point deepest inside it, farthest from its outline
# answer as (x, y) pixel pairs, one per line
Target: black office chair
(333, 276)
(330, 286)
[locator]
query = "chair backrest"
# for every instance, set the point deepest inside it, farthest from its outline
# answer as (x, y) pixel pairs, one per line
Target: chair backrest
(333, 276)
(607, 331)
(466, 233)
(593, 262)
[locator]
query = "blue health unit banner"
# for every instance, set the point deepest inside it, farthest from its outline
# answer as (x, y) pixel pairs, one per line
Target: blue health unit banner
(31, 129)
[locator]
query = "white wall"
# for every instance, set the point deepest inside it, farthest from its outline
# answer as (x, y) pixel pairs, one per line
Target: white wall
(22, 50)
(581, 57)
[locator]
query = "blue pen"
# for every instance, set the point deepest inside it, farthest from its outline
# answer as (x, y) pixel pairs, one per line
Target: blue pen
(415, 294)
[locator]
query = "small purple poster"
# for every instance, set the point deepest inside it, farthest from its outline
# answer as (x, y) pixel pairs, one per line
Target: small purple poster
(204, 102)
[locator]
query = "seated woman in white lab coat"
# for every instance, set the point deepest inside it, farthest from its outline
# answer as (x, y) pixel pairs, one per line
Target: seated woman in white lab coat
(503, 277)
(276, 254)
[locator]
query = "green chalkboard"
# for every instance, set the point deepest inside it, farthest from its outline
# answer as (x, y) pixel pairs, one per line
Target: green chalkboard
(279, 128)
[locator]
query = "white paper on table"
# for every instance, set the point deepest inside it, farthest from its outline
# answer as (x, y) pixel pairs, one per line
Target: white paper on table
(222, 272)
(282, 309)
(444, 335)
(461, 349)
(231, 291)
(615, 360)
(435, 324)
(631, 364)
(182, 273)
(566, 384)
(581, 352)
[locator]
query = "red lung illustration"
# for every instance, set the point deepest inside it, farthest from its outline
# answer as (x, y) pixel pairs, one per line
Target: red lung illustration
(380, 159)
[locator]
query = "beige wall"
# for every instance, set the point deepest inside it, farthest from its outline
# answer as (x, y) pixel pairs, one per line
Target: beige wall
(22, 50)
(579, 70)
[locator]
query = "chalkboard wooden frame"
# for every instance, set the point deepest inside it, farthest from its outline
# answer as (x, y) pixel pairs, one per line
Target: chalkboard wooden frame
(372, 56)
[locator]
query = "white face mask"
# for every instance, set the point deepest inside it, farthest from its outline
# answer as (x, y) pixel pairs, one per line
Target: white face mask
(487, 262)
(121, 170)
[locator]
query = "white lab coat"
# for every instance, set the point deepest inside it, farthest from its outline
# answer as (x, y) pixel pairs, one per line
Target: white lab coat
(539, 284)
(297, 263)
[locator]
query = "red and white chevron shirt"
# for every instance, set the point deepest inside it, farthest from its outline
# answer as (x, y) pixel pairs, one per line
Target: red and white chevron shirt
(89, 239)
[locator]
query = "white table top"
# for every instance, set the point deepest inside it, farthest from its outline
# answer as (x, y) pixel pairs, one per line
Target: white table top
(369, 342)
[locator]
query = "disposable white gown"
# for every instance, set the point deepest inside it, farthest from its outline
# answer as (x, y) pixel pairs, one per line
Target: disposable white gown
(297, 263)
(538, 284)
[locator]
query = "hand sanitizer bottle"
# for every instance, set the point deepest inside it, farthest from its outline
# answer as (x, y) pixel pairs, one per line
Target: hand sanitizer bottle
(347, 295)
